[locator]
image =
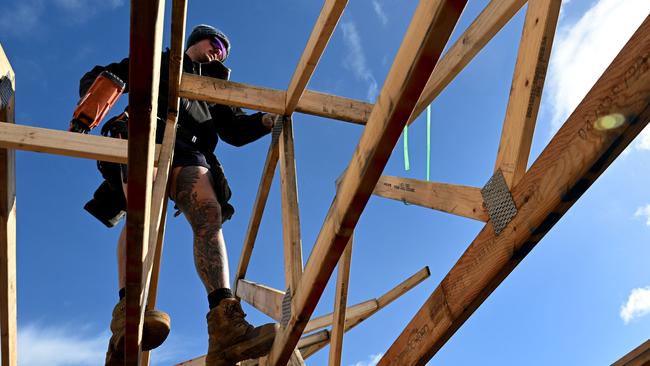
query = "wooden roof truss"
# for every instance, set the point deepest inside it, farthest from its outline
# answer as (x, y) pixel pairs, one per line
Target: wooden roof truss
(572, 161)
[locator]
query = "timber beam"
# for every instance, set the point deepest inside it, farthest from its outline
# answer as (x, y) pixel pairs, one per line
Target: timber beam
(454, 199)
(340, 301)
(425, 39)
(264, 298)
(269, 300)
(327, 19)
(160, 185)
(637, 357)
(290, 212)
(612, 114)
(273, 100)
(57, 142)
(495, 15)
(352, 320)
(361, 309)
(8, 309)
(144, 77)
(526, 90)
(262, 196)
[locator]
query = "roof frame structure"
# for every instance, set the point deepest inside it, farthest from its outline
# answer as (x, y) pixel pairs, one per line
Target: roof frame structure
(574, 158)
(572, 161)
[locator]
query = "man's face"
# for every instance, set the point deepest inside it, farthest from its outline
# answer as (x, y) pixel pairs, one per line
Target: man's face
(208, 50)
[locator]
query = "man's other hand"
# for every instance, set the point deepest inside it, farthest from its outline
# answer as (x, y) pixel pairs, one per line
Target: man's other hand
(270, 119)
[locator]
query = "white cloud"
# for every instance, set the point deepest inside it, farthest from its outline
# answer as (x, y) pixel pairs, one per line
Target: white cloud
(638, 304)
(74, 345)
(379, 10)
(643, 211)
(355, 59)
(60, 346)
(372, 360)
(583, 51)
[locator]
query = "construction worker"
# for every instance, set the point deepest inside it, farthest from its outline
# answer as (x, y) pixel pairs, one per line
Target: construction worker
(200, 190)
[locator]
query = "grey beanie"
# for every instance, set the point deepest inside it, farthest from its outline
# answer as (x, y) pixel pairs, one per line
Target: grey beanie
(203, 31)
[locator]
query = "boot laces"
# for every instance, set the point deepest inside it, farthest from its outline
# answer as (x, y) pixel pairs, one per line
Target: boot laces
(235, 313)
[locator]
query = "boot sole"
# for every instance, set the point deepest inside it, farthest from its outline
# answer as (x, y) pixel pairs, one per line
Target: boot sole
(255, 347)
(157, 325)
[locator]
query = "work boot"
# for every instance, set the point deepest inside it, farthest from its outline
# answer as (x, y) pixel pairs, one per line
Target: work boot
(232, 338)
(155, 330)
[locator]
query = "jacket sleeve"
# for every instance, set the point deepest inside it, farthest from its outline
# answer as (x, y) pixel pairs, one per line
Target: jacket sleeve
(120, 69)
(236, 127)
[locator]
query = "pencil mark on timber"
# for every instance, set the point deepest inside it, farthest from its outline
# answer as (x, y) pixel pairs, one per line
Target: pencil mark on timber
(607, 103)
(414, 339)
(538, 78)
(639, 68)
(400, 187)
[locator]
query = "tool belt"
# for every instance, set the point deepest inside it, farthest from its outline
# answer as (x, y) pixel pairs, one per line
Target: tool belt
(108, 204)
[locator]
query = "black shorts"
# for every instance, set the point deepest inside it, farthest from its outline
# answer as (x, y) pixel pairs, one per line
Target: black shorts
(187, 155)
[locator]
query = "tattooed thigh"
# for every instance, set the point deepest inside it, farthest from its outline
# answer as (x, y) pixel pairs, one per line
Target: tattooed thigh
(195, 197)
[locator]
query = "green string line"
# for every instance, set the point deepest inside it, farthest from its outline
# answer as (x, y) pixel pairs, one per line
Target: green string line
(428, 141)
(407, 163)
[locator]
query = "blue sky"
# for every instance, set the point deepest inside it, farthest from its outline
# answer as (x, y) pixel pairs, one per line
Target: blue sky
(582, 297)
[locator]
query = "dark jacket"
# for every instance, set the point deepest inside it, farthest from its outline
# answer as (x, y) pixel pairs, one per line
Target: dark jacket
(200, 124)
(205, 120)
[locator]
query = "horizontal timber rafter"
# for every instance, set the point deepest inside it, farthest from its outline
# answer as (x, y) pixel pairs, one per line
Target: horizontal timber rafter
(454, 199)
(272, 100)
(576, 156)
(45, 140)
(264, 298)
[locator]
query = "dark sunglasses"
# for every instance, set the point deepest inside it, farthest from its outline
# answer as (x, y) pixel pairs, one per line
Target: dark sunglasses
(216, 43)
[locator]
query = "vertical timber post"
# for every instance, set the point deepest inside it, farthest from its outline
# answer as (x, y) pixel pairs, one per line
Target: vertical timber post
(7, 221)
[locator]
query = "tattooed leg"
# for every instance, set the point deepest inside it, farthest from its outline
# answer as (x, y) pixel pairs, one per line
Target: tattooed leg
(192, 190)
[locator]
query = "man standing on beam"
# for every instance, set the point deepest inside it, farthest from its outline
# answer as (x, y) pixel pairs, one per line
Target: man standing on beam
(197, 186)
